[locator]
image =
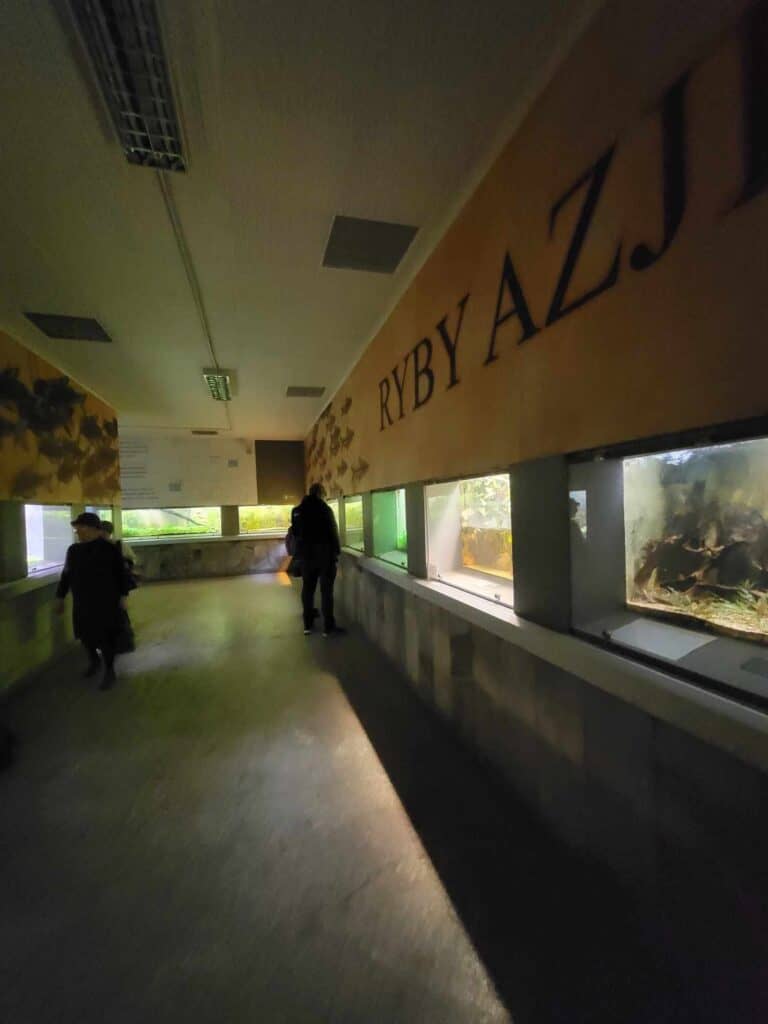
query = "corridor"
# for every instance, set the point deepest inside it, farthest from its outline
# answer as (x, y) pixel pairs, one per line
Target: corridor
(255, 826)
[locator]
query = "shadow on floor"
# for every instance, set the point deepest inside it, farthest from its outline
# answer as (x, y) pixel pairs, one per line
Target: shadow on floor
(560, 939)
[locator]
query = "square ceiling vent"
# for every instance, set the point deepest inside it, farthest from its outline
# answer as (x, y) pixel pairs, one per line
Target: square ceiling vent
(304, 392)
(373, 245)
(70, 328)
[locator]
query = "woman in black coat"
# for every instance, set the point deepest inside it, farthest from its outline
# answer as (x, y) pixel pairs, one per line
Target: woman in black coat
(95, 572)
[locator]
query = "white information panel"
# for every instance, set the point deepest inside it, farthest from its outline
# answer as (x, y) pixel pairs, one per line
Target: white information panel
(166, 471)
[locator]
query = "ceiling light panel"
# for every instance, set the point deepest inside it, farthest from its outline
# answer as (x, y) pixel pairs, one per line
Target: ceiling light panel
(125, 46)
(219, 383)
(373, 245)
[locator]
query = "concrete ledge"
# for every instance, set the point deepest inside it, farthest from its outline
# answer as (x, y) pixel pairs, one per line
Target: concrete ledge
(203, 539)
(727, 724)
(47, 578)
(211, 557)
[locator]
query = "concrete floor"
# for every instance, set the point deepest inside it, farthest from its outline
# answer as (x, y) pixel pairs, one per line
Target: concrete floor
(257, 826)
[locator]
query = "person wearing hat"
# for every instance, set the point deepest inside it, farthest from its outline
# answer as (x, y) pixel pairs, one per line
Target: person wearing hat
(94, 571)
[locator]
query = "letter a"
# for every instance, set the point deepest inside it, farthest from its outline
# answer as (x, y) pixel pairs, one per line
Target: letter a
(510, 284)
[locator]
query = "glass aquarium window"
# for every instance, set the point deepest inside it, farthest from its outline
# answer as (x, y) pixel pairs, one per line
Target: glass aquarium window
(353, 523)
(171, 522)
(333, 504)
(102, 511)
(469, 535)
(390, 536)
(265, 518)
(49, 534)
(674, 561)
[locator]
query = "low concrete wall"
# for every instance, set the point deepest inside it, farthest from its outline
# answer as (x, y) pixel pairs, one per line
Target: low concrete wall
(679, 820)
(225, 556)
(31, 635)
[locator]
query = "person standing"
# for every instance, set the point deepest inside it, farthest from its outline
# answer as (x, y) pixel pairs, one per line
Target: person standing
(94, 571)
(318, 549)
(125, 549)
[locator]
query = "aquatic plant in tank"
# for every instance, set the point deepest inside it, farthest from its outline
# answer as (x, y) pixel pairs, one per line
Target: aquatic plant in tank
(696, 536)
(486, 532)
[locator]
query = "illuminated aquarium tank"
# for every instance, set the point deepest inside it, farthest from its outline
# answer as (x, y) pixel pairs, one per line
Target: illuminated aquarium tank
(696, 536)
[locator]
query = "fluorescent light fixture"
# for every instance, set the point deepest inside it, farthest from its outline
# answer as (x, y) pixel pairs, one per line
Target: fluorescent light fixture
(219, 383)
(125, 46)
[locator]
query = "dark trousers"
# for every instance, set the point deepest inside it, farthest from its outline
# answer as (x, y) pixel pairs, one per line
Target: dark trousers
(107, 653)
(310, 574)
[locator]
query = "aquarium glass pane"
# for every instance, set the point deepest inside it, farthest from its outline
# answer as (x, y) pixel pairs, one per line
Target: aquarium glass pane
(265, 518)
(353, 523)
(390, 536)
(669, 558)
(696, 529)
(49, 534)
(469, 535)
(333, 504)
(171, 522)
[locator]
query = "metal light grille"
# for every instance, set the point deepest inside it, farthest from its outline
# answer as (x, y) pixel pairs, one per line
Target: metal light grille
(218, 383)
(124, 42)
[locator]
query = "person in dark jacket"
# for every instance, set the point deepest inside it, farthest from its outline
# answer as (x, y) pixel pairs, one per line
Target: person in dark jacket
(94, 571)
(317, 549)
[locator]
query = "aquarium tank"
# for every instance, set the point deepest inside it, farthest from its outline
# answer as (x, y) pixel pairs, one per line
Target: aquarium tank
(353, 522)
(469, 535)
(390, 535)
(696, 537)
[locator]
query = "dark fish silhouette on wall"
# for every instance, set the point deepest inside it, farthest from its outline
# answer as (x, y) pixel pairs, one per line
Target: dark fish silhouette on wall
(335, 441)
(54, 448)
(16, 431)
(91, 428)
(27, 483)
(342, 468)
(348, 438)
(12, 390)
(347, 405)
(110, 426)
(50, 404)
(101, 461)
(326, 412)
(359, 471)
(67, 470)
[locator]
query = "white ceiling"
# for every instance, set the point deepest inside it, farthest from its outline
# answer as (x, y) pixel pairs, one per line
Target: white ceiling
(293, 111)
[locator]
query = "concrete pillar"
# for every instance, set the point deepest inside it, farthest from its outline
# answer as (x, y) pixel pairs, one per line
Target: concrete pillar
(416, 524)
(341, 520)
(230, 521)
(117, 521)
(368, 524)
(13, 541)
(541, 542)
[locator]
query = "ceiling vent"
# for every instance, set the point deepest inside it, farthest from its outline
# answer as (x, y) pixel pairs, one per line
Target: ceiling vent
(71, 328)
(205, 433)
(219, 383)
(304, 392)
(125, 46)
(372, 245)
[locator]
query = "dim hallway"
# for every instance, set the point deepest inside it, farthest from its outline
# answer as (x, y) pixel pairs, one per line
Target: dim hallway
(258, 826)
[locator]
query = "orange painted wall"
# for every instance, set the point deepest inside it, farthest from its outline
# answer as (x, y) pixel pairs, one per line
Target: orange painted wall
(58, 442)
(673, 347)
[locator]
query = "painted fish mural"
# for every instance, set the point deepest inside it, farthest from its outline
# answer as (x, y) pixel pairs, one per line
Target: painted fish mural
(58, 443)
